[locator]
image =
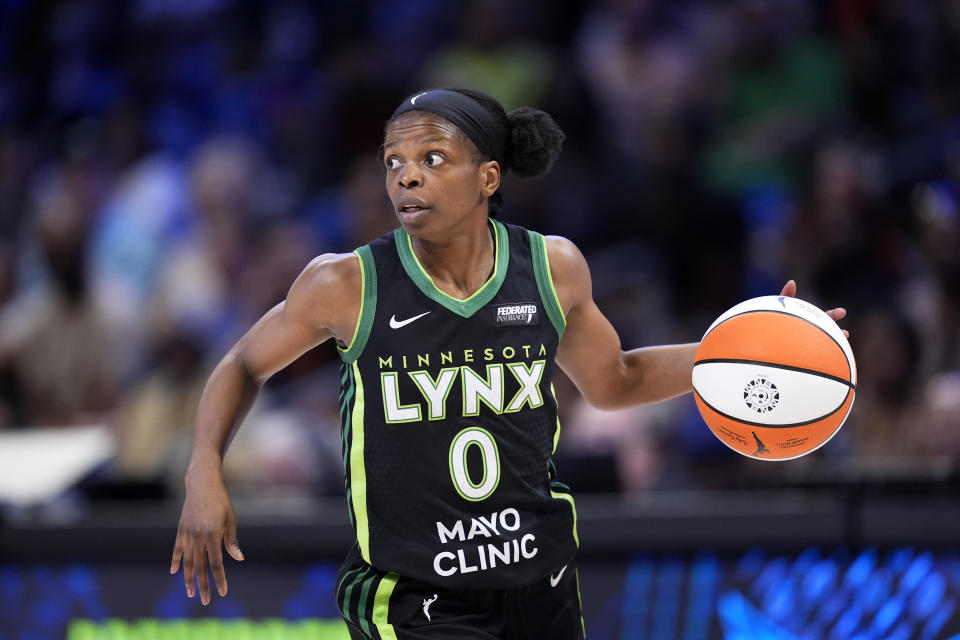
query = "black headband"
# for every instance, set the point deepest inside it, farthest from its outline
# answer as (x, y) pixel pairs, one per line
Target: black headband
(465, 113)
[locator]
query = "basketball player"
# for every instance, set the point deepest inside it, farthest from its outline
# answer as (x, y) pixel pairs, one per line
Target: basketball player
(449, 330)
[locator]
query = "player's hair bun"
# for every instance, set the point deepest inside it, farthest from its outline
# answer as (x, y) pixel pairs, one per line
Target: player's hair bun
(534, 142)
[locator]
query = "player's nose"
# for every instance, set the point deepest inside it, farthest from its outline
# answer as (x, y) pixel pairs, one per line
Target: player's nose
(410, 176)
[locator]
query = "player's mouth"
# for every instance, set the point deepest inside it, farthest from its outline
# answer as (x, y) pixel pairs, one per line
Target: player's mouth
(410, 210)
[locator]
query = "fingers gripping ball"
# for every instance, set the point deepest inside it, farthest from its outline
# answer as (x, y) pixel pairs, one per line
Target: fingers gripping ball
(774, 378)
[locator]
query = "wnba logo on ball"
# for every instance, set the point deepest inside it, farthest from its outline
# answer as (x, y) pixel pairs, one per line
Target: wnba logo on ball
(761, 395)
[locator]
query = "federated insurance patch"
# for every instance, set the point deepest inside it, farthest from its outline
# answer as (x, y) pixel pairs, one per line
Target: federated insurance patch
(521, 313)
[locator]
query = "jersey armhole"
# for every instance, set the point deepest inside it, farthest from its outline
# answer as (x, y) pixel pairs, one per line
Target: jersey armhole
(368, 306)
(548, 293)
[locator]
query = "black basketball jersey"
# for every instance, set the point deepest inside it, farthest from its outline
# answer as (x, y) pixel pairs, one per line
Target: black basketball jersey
(449, 419)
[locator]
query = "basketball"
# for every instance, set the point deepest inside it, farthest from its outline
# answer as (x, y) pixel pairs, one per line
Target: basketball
(774, 378)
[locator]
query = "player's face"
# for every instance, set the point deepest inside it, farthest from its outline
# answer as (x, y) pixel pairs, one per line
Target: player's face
(434, 178)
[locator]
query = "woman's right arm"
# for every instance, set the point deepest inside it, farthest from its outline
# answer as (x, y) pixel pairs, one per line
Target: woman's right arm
(323, 302)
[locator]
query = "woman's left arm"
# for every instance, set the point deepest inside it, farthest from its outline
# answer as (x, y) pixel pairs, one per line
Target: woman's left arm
(590, 351)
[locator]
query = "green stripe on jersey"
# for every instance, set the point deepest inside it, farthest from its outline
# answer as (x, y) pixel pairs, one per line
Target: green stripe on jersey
(346, 418)
(548, 293)
(556, 432)
(583, 625)
(362, 605)
(467, 307)
(573, 507)
(345, 412)
(368, 306)
(381, 606)
(343, 594)
(358, 474)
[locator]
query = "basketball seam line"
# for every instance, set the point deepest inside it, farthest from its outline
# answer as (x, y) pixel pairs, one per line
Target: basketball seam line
(773, 426)
(784, 313)
(776, 366)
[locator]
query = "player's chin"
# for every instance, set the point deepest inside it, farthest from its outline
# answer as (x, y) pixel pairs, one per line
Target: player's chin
(413, 219)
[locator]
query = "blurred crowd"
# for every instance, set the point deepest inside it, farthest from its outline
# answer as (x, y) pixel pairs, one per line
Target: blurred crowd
(167, 167)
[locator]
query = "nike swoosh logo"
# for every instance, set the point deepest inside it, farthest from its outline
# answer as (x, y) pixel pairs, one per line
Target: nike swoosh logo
(554, 580)
(413, 100)
(396, 324)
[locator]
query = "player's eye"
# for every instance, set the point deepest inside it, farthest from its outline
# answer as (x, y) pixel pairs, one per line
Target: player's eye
(392, 162)
(433, 159)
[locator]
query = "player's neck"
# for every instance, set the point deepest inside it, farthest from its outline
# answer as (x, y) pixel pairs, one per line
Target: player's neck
(460, 265)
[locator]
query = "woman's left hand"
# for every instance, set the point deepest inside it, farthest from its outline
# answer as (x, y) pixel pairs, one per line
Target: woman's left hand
(790, 290)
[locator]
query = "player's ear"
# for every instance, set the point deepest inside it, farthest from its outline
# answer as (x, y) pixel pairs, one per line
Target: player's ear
(489, 177)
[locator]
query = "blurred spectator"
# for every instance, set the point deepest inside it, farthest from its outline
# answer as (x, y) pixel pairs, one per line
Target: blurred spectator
(157, 413)
(784, 85)
(493, 55)
(142, 219)
(887, 397)
(55, 340)
(938, 424)
(195, 282)
(643, 70)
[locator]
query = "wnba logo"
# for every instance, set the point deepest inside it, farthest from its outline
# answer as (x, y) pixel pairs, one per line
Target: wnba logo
(761, 395)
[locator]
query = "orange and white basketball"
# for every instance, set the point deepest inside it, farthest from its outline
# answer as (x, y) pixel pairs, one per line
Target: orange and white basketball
(774, 378)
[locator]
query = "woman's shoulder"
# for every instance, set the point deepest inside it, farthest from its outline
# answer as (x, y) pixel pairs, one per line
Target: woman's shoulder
(569, 271)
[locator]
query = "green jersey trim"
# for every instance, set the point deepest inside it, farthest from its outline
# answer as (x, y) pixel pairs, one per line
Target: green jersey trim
(362, 576)
(358, 474)
(468, 306)
(556, 432)
(362, 603)
(381, 606)
(583, 625)
(346, 395)
(548, 293)
(368, 306)
(563, 495)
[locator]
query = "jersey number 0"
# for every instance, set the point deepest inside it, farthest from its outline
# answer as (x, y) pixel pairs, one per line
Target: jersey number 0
(465, 486)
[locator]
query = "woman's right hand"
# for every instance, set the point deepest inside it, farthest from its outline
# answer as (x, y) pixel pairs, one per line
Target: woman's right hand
(207, 520)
